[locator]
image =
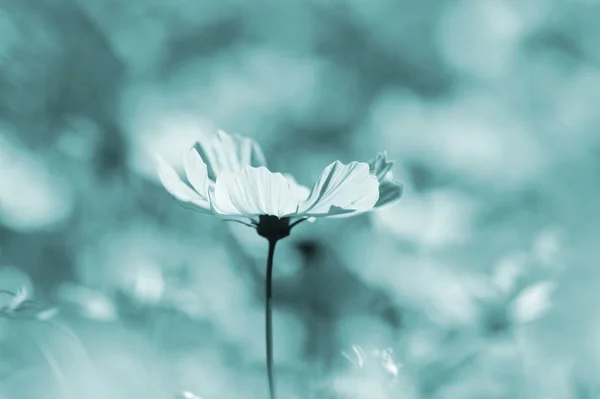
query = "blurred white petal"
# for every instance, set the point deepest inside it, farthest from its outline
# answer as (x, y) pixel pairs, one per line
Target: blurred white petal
(187, 395)
(32, 196)
(547, 246)
(145, 282)
(508, 270)
(358, 358)
(90, 303)
(20, 296)
(47, 314)
(439, 219)
(533, 302)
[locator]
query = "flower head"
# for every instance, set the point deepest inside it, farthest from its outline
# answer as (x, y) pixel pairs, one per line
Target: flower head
(227, 175)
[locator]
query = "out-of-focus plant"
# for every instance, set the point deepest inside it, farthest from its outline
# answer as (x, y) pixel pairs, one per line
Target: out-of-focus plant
(516, 296)
(20, 307)
(382, 357)
(228, 176)
(374, 374)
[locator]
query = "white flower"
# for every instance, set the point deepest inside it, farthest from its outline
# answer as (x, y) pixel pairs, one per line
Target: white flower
(228, 176)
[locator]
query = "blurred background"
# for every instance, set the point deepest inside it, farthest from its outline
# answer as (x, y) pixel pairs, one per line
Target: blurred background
(482, 282)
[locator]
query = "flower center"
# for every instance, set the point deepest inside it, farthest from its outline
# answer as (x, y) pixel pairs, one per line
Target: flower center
(273, 228)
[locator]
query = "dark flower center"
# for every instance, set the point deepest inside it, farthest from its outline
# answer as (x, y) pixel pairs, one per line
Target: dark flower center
(273, 227)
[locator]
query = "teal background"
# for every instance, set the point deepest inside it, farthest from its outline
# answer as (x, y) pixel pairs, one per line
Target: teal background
(483, 280)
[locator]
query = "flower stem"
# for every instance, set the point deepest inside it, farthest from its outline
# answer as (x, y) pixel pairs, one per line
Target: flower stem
(268, 318)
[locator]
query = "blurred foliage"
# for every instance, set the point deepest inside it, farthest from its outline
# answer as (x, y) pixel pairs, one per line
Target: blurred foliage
(480, 283)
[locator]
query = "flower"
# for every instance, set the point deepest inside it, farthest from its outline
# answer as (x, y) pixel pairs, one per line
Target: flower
(228, 176)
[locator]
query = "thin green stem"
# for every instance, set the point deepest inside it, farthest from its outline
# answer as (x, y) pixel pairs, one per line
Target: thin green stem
(268, 318)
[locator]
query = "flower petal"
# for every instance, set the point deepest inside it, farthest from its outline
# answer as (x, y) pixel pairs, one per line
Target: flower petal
(197, 173)
(342, 189)
(302, 192)
(177, 188)
(252, 192)
(390, 190)
(229, 152)
(380, 166)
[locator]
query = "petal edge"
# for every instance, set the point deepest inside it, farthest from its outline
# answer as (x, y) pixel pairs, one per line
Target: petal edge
(253, 192)
(177, 188)
(223, 151)
(342, 188)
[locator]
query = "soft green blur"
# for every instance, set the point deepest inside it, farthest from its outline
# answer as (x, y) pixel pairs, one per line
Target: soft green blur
(482, 282)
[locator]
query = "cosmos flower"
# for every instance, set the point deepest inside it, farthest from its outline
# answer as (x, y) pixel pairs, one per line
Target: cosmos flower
(227, 175)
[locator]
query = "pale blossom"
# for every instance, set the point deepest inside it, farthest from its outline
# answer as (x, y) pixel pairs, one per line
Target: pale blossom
(227, 175)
